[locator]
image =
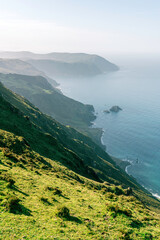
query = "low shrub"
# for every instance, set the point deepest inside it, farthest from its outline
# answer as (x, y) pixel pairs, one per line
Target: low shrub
(6, 177)
(125, 234)
(117, 210)
(128, 191)
(57, 191)
(12, 204)
(110, 195)
(148, 236)
(63, 212)
(45, 200)
(49, 188)
(117, 190)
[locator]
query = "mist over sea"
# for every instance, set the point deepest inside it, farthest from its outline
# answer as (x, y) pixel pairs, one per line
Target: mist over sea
(133, 133)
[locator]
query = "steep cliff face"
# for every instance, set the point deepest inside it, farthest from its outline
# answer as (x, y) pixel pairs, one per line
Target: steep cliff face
(41, 93)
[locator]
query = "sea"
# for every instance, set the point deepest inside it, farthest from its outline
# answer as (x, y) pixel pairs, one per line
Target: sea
(132, 134)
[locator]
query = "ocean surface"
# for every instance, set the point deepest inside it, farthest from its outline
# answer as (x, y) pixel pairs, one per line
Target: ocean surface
(134, 133)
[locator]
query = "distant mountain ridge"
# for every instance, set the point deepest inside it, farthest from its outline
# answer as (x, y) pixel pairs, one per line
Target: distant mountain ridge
(60, 69)
(18, 66)
(65, 64)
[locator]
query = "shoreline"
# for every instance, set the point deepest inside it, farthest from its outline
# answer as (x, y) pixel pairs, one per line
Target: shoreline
(103, 131)
(125, 164)
(100, 132)
(97, 134)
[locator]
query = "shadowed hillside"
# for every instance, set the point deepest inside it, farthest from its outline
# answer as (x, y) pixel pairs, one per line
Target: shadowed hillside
(65, 110)
(20, 67)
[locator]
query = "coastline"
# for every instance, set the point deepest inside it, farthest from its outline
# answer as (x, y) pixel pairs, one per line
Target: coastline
(97, 134)
(124, 164)
(86, 125)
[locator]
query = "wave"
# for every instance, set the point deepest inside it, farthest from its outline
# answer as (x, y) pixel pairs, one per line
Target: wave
(156, 195)
(131, 163)
(103, 131)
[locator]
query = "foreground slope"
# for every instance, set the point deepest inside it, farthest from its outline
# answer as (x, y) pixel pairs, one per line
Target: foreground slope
(63, 144)
(40, 199)
(64, 109)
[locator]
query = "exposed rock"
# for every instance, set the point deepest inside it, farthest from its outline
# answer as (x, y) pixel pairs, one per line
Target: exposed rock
(115, 109)
(106, 111)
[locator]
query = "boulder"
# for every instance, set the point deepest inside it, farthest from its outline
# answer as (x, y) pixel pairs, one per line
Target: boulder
(115, 109)
(106, 111)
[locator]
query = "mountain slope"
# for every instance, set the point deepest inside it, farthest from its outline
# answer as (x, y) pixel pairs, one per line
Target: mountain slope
(20, 67)
(72, 64)
(65, 64)
(65, 110)
(40, 199)
(101, 63)
(62, 144)
(60, 69)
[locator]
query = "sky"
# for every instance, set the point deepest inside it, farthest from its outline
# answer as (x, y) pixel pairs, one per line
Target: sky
(93, 26)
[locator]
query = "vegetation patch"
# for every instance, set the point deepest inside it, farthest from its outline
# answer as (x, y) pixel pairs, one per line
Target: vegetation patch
(6, 177)
(12, 204)
(63, 212)
(45, 200)
(57, 191)
(115, 210)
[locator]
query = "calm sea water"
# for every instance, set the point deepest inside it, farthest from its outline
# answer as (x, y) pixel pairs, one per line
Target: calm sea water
(133, 133)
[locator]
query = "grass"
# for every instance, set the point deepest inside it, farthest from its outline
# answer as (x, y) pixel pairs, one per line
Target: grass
(56, 203)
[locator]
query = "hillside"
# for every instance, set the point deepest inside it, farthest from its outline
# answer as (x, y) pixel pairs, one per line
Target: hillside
(39, 199)
(72, 65)
(65, 64)
(101, 63)
(63, 144)
(65, 110)
(60, 69)
(21, 67)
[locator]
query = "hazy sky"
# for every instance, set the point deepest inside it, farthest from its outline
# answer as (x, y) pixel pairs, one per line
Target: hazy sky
(93, 26)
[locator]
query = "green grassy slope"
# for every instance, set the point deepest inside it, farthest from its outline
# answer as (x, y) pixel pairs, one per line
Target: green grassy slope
(65, 110)
(63, 144)
(40, 199)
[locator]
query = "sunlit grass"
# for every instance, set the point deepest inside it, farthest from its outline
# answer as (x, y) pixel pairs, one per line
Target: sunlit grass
(94, 211)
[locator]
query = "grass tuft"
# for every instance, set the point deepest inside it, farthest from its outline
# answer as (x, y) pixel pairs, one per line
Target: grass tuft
(12, 204)
(63, 212)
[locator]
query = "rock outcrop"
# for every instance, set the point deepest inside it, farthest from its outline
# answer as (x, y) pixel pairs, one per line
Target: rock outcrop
(115, 109)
